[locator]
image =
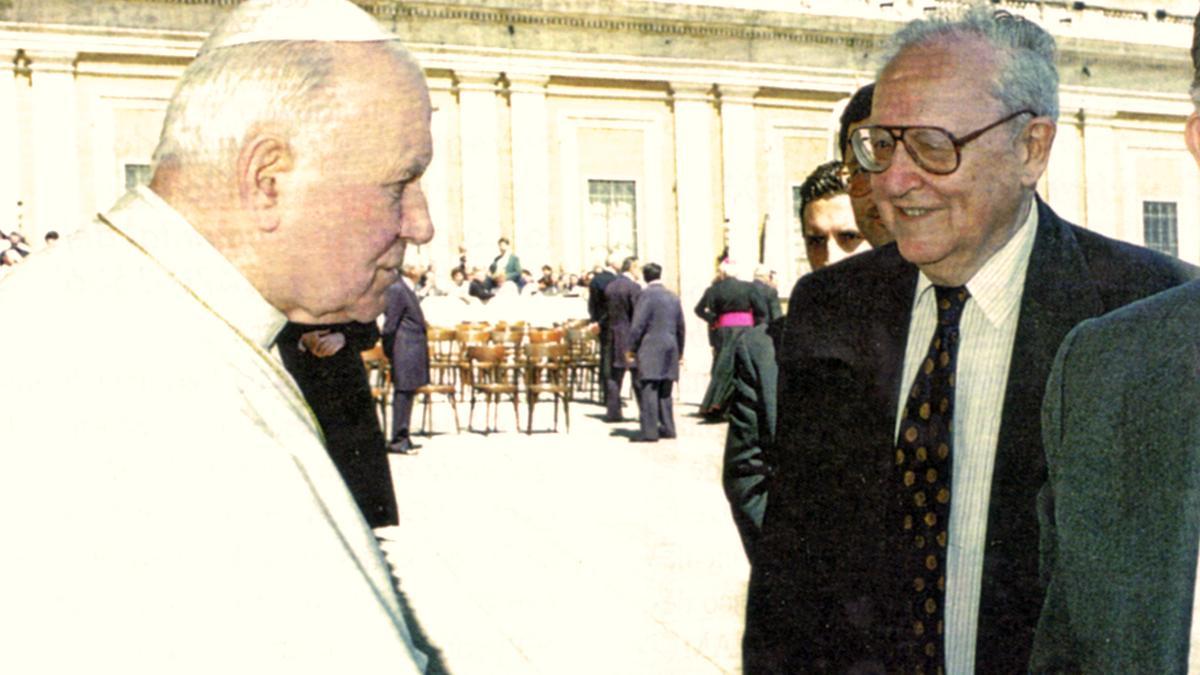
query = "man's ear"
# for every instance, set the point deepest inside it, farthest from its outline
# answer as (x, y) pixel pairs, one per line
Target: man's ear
(1036, 140)
(1191, 134)
(262, 162)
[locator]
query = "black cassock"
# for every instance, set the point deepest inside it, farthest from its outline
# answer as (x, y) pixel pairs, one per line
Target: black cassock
(339, 394)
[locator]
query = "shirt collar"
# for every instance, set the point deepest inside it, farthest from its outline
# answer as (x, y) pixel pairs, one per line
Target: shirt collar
(997, 287)
(152, 225)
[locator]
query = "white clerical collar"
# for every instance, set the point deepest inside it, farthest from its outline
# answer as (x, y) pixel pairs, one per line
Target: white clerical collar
(151, 224)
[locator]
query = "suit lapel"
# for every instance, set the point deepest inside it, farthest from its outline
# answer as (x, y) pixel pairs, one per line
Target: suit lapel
(887, 336)
(1059, 293)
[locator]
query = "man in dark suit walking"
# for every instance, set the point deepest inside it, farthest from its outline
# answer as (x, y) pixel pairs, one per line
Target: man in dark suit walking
(656, 338)
(598, 312)
(1120, 518)
(405, 343)
(325, 361)
(923, 393)
(619, 297)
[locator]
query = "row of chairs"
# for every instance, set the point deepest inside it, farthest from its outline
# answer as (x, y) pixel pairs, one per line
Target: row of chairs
(497, 363)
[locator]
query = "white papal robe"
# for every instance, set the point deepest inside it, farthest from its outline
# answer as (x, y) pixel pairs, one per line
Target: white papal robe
(166, 502)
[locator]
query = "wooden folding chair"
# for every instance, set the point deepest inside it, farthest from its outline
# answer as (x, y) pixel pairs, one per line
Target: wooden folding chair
(379, 376)
(489, 372)
(546, 373)
(444, 372)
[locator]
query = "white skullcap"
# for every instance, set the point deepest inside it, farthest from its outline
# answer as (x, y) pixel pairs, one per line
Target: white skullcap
(296, 21)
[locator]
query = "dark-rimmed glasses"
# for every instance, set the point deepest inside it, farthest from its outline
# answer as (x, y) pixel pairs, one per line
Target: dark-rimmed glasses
(932, 148)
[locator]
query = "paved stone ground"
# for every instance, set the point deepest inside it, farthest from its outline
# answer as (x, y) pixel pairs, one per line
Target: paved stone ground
(570, 553)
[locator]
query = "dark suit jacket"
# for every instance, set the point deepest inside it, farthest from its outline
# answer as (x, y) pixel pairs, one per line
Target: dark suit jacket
(751, 434)
(771, 296)
(597, 309)
(657, 333)
(479, 289)
(337, 390)
(1121, 511)
(404, 338)
(619, 296)
(824, 591)
(774, 311)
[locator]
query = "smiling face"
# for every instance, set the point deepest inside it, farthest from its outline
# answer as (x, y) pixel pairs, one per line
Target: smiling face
(829, 231)
(354, 195)
(951, 225)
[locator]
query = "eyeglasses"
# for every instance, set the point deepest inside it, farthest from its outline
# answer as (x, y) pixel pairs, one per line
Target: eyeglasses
(858, 181)
(932, 148)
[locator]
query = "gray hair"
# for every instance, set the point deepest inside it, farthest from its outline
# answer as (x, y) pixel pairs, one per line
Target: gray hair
(1027, 77)
(225, 92)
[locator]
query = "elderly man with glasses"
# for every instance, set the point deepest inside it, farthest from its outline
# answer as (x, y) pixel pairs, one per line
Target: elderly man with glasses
(901, 533)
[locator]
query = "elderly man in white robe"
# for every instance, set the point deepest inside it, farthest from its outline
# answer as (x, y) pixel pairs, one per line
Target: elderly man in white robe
(166, 503)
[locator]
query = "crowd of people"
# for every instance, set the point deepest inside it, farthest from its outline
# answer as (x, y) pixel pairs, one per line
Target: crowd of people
(503, 277)
(970, 446)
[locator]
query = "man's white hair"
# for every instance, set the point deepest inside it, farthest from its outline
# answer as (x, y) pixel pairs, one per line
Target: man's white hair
(1026, 76)
(226, 93)
(271, 62)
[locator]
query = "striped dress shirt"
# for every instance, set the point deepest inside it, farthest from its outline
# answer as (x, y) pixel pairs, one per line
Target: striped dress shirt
(989, 325)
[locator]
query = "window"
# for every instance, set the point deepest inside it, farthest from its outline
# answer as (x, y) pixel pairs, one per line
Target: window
(612, 216)
(1160, 224)
(136, 174)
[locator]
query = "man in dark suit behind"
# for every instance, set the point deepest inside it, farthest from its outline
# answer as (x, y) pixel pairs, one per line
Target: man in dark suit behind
(598, 312)
(656, 337)
(619, 297)
(405, 343)
(325, 361)
(923, 392)
(1120, 516)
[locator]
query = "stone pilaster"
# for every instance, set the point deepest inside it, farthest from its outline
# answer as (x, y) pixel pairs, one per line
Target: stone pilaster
(55, 202)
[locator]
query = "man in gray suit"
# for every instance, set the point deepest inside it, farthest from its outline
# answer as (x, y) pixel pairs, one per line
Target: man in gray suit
(656, 337)
(1120, 513)
(405, 343)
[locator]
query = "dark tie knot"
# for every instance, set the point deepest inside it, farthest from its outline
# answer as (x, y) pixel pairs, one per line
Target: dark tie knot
(950, 303)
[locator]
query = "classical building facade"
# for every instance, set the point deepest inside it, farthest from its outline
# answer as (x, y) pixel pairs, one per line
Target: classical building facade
(673, 130)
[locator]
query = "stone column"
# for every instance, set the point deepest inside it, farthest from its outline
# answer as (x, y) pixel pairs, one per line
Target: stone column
(1065, 180)
(10, 144)
(480, 157)
(55, 202)
(739, 147)
(439, 180)
(1103, 194)
(697, 221)
(533, 242)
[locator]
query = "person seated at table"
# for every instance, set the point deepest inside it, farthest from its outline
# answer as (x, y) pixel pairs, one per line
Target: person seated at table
(502, 287)
(479, 286)
(459, 288)
(548, 283)
(527, 286)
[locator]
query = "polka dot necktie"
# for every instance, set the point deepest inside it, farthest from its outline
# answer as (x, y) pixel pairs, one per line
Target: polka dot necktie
(923, 471)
